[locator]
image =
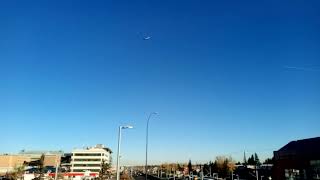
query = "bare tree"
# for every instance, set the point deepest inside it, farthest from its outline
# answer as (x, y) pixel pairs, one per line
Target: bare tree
(16, 174)
(224, 165)
(41, 166)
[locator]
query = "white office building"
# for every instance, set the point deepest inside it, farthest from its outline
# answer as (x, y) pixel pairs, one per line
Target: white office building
(89, 159)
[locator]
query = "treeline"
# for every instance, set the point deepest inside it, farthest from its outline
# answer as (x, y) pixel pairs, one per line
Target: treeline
(222, 165)
(254, 160)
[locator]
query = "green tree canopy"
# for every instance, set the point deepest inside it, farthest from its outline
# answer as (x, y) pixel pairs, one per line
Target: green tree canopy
(256, 159)
(251, 160)
(268, 161)
(105, 171)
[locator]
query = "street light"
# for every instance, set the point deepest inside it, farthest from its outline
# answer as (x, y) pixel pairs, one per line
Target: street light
(119, 143)
(57, 169)
(146, 171)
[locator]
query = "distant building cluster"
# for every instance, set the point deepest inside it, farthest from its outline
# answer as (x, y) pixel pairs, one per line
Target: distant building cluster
(78, 163)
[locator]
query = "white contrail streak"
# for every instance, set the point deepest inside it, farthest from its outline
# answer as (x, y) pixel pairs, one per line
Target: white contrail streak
(301, 68)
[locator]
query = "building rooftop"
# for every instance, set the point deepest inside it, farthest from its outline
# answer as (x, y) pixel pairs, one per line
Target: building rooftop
(24, 152)
(98, 147)
(311, 144)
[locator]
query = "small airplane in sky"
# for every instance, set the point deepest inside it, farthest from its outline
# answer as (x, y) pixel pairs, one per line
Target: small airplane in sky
(147, 38)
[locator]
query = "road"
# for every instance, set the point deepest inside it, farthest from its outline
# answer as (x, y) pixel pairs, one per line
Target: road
(139, 177)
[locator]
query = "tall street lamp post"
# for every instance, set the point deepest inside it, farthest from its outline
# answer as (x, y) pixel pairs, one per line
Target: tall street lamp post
(147, 136)
(119, 144)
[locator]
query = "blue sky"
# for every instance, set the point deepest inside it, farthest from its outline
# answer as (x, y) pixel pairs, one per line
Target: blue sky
(225, 76)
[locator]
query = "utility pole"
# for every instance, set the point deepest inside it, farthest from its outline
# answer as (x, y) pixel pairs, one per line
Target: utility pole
(118, 155)
(57, 169)
(232, 174)
(257, 172)
(119, 145)
(147, 138)
(202, 173)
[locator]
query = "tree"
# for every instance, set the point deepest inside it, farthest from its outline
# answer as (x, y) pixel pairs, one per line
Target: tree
(224, 166)
(180, 167)
(206, 169)
(174, 167)
(268, 161)
(211, 166)
(251, 160)
(41, 166)
(125, 176)
(190, 166)
(105, 172)
(256, 159)
(16, 174)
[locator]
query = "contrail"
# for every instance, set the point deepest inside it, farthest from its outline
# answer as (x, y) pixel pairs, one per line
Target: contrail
(301, 68)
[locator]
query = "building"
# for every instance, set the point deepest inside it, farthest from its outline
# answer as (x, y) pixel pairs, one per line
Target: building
(65, 164)
(8, 162)
(51, 158)
(298, 160)
(89, 159)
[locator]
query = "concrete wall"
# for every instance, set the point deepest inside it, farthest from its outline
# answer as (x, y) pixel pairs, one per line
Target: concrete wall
(51, 160)
(9, 162)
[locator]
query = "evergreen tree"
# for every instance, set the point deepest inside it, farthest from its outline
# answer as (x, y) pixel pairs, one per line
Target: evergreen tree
(190, 166)
(206, 169)
(268, 161)
(251, 160)
(256, 159)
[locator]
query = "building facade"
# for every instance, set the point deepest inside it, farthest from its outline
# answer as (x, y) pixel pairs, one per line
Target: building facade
(90, 159)
(8, 162)
(298, 160)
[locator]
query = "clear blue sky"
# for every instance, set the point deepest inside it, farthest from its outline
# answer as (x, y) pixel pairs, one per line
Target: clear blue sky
(225, 76)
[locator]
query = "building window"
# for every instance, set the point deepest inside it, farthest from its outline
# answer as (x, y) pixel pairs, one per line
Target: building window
(78, 170)
(295, 174)
(94, 170)
(87, 165)
(83, 170)
(315, 169)
(87, 154)
(82, 160)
